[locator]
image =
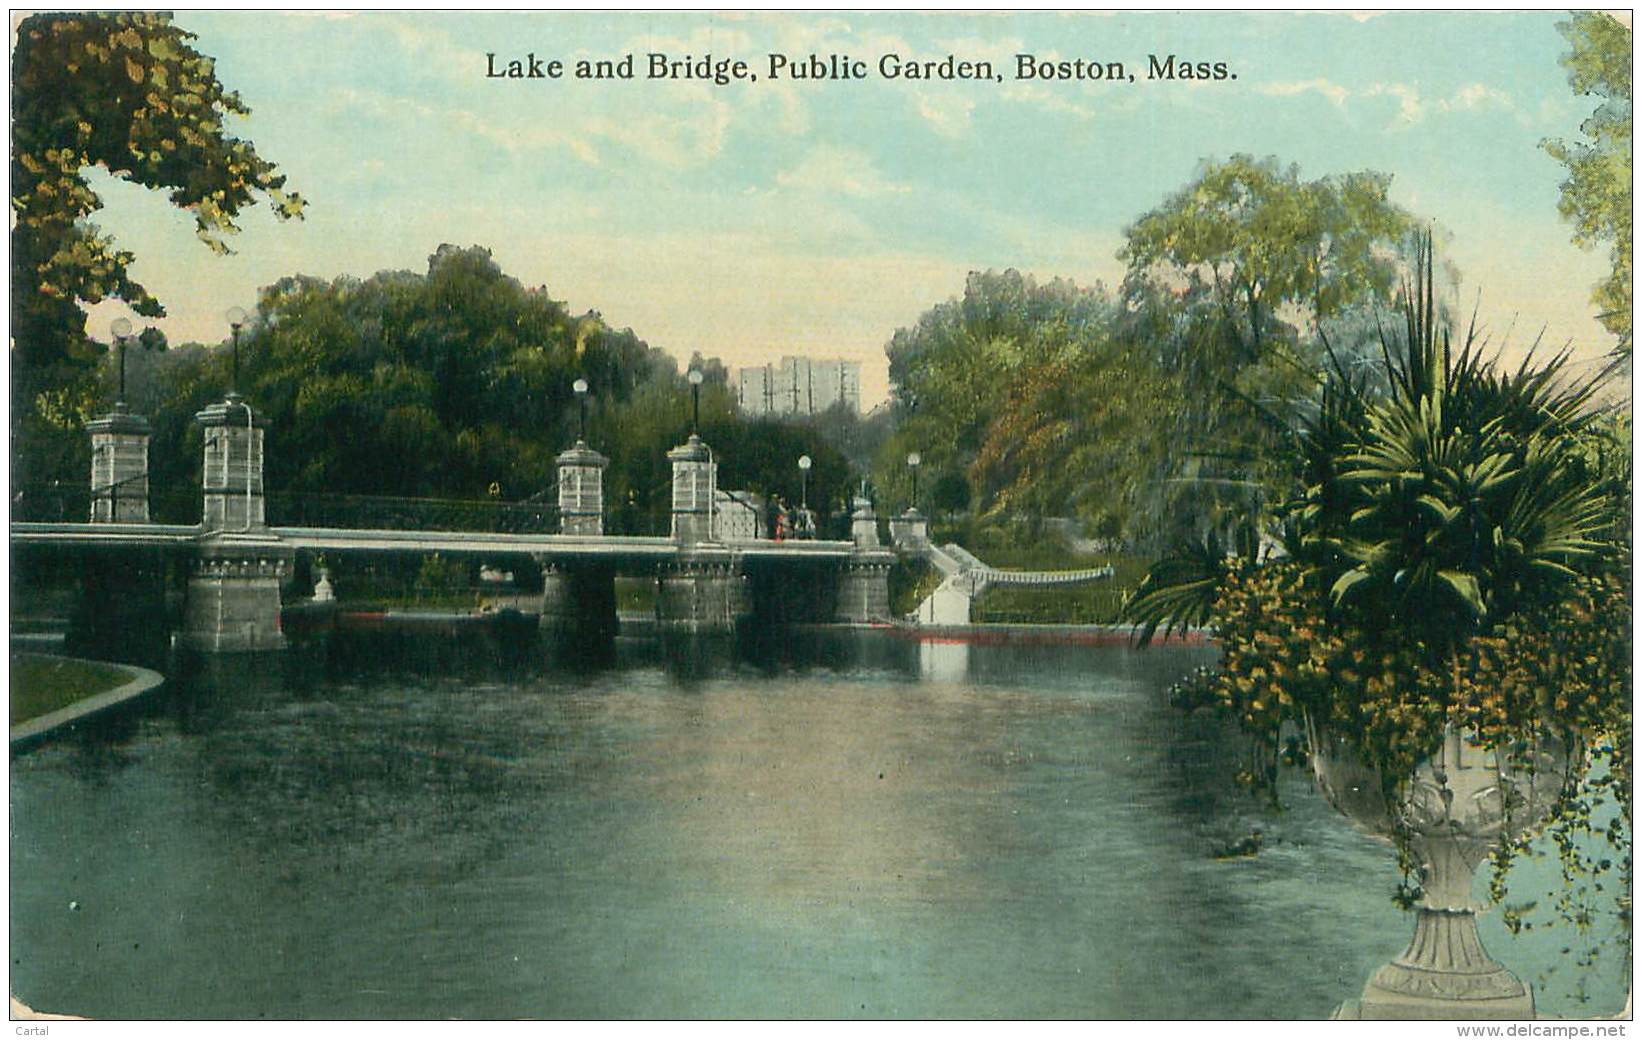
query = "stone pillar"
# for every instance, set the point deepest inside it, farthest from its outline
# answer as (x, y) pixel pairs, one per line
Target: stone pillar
(119, 467)
(695, 478)
(910, 530)
(863, 586)
(581, 490)
(231, 474)
(864, 523)
(233, 603)
(700, 593)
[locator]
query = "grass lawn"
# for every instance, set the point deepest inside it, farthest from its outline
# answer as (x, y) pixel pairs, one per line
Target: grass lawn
(42, 684)
(1095, 603)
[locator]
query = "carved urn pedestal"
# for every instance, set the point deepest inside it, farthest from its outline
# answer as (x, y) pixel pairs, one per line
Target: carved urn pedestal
(1455, 812)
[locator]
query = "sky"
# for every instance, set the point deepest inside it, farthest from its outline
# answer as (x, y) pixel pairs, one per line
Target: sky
(757, 219)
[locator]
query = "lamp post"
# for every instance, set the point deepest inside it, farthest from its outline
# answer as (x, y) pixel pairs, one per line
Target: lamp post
(121, 328)
(236, 318)
(913, 458)
(580, 386)
(695, 399)
(804, 478)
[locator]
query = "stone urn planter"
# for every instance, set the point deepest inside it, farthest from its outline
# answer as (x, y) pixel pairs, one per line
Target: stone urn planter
(1455, 811)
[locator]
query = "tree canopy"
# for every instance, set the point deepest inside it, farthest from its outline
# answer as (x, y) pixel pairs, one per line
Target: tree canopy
(954, 372)
(458, 384)
(1148, 414)
(1596, 196)
(1230, 282)
(128, 93)
(1252, 238)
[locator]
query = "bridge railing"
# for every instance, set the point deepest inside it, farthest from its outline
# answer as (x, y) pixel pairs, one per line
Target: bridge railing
(384, 512)
(63, 503)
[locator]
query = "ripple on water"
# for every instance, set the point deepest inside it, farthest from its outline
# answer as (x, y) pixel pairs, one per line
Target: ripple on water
(1033, 840)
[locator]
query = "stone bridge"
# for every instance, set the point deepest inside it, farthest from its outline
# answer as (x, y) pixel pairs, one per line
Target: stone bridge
(710, 574)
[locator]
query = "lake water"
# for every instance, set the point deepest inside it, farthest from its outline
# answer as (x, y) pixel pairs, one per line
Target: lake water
(871, 828)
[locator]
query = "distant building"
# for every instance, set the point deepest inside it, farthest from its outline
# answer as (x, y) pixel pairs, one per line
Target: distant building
(799, 386)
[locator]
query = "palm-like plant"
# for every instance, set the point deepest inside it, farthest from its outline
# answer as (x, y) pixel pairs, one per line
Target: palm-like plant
(1457, 571)
(1466, 502)
(1438, 507)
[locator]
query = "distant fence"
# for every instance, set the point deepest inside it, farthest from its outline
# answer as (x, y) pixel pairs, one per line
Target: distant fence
(383, 512)
(71, 503)
(54, 502)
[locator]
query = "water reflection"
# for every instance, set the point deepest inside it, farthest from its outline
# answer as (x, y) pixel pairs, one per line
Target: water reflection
(832, 825)
(943, 661)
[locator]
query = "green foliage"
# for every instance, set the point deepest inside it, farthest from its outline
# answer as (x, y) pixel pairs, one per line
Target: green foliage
(1228, 280)
(1596, 197)
(1456, 556)
(436, 385)
(1468, 501)
(911, 580)
(1008, 396)
(126, 92)
(1254, 237)
(1180, 590)
(457, 384)
(441, 574)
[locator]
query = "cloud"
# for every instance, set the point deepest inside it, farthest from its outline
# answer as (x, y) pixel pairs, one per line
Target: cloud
(1475, 95)
(839, 170)
(444, 118)
(1410, 109)
(947, 114)
(1328, 88)
(1052, 100)
(1412, 106)
(670, 138)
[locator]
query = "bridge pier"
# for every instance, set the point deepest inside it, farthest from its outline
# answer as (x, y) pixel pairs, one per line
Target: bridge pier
(695, 481)
(701, 593)
(863, 579)
(863, 587)
(233, 603)
(581, 490)
(910, 530)
(578, 615)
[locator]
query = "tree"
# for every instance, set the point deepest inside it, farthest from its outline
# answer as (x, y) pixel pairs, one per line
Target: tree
(1596, 197)
(455, 382)
(126, 92)
(1254, 239)
(1229, 282)
(421, 385)
(1080, 435)
(958, 369)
